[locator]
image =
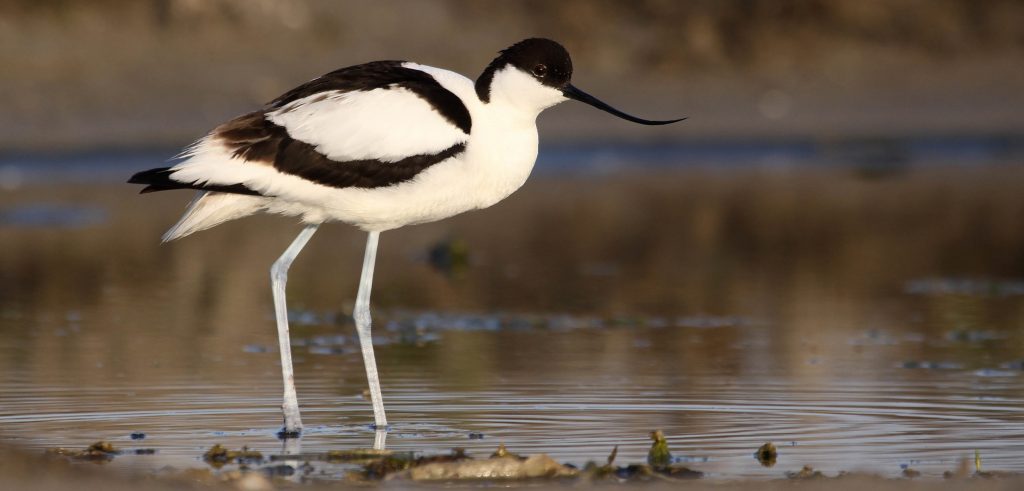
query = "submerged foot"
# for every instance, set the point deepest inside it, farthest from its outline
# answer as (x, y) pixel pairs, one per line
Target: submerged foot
(285, 433)
(292, 427)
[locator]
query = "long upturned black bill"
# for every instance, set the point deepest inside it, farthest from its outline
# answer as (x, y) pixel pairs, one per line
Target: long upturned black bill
(578, 95)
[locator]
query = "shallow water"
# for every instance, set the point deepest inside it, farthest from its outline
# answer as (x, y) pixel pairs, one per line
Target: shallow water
(860, 323)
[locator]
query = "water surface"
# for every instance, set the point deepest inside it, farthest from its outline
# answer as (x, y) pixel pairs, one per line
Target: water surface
(860, 321)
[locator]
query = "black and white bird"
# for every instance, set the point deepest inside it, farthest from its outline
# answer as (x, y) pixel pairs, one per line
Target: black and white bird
(378, 146)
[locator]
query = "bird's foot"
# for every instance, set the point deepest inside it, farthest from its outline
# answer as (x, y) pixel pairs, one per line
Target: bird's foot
(285, 433)
(292, 427)
(292, 420)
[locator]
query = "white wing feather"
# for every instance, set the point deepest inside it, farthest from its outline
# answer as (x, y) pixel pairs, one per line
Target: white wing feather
(385, 124)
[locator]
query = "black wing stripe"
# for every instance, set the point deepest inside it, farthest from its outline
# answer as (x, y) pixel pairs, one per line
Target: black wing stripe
(260, 142)
(301, 159)
(384, 75)
(255, 138)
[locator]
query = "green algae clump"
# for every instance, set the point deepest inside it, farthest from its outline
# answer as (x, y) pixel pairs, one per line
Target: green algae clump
(659, 455)
(100, 451)
(218, 456)
(767, 454)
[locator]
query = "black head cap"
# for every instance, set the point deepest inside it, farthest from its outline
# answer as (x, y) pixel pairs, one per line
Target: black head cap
(545, 59)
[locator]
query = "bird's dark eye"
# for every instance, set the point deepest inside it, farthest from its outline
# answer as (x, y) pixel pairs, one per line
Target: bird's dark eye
(540, 70)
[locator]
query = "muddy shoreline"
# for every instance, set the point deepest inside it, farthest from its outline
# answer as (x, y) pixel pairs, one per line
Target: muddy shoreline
(31, 471)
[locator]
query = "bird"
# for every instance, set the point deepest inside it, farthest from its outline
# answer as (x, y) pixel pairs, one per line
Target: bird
(378, 146)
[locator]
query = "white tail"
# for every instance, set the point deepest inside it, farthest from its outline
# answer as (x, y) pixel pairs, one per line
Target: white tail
(209, 208)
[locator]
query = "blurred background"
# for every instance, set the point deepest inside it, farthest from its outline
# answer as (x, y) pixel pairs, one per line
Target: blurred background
(828, 253)
(124, 73)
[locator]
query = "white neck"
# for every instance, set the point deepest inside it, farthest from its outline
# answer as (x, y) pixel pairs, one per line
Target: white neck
(520, 91)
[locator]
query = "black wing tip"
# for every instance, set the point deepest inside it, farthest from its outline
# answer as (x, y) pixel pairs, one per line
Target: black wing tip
(158, 179)
(151, 176)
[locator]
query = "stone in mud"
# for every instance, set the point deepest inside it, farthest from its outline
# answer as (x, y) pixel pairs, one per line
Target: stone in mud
(807, 472)
(534, 466)
(251, 481)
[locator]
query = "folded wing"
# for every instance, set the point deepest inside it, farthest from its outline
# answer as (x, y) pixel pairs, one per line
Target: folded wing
(366, 126)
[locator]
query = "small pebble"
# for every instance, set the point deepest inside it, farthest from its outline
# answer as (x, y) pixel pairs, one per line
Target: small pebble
(253, 482)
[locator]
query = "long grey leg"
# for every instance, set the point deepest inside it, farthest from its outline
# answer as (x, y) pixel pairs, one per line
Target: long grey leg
(278, 279)
(361, 313)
